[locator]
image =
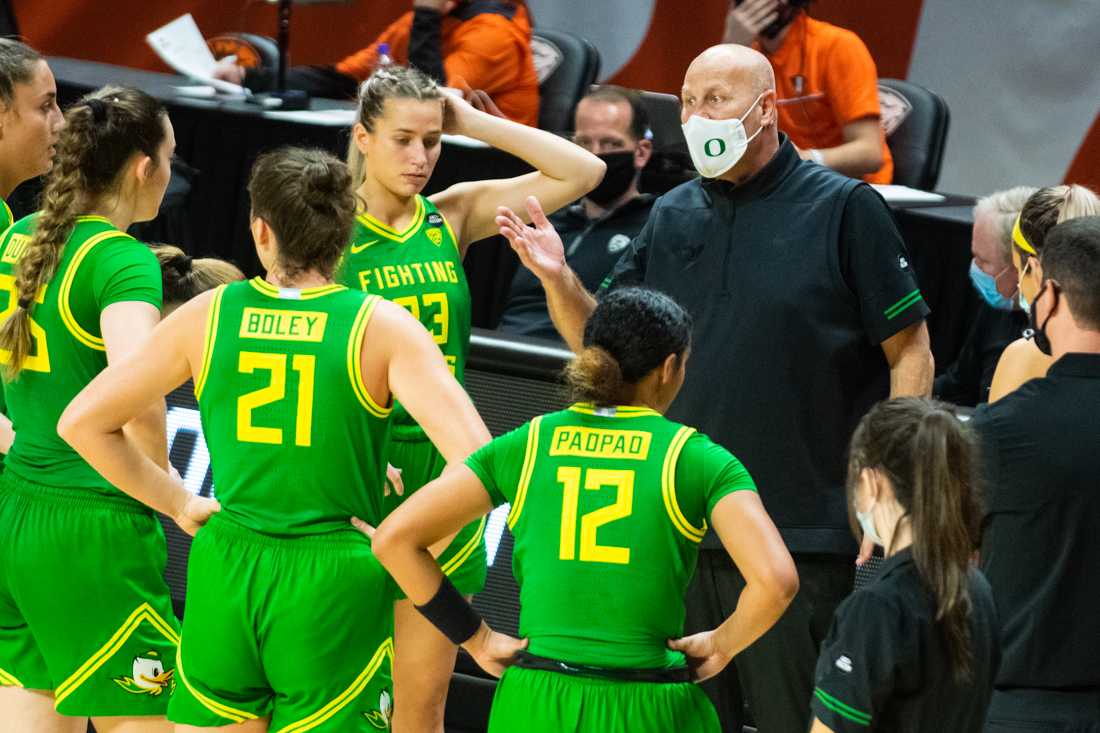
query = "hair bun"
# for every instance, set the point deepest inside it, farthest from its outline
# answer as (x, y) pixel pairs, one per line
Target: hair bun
(181, 263)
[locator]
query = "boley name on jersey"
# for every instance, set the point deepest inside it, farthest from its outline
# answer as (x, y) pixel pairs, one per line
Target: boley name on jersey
(283, 325)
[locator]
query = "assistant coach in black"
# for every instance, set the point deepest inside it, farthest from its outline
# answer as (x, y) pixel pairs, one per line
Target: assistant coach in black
(916, 649)
(806, 314)
(1041, 537)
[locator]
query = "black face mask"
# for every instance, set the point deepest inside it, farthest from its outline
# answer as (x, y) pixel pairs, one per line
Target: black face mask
(1039, 333)
(787, 14)
(620, 174)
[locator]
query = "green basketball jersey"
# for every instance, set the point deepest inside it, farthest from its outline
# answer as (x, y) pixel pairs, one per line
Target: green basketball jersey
(296, 443)
(6, 219)
(99, 266)
(419, 269)
(608, 506)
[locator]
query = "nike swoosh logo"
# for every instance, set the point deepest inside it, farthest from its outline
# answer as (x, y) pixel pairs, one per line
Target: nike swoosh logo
(357, 248)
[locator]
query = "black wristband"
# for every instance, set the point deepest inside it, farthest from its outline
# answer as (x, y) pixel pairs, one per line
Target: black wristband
(451, 613)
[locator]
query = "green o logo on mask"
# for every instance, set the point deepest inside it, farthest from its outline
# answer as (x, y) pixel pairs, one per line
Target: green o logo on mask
(714, 147)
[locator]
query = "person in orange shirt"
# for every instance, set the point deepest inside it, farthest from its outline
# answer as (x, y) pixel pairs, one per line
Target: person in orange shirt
(826, 82)
(467, 44)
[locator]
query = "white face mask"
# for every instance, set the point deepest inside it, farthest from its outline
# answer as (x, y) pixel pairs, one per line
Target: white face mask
(867, 522)
(717, 145)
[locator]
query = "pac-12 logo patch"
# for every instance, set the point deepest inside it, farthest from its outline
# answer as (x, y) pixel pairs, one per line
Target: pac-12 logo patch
(844, 663)
(435, 236)
(617, 243)
(902, 262)
(149, 676)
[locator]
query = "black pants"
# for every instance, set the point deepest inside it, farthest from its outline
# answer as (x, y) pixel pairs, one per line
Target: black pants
(776, 673)
(1019, 710)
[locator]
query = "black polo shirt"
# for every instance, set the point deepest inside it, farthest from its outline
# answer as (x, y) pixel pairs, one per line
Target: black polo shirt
(592, 248)
(1040, 450)
(967, 381)
(884, 665)
(794, 278)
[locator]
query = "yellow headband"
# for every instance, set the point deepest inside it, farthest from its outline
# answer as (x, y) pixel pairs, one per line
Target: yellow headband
(1020, 240)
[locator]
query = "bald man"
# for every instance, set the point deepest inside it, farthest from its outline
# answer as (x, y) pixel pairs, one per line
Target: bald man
(806, 314)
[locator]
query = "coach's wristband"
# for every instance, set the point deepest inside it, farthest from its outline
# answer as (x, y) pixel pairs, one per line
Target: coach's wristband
(451, 613)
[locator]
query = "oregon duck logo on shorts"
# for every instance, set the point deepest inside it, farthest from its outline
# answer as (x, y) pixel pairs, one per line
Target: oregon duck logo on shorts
(380, 718)
(149, 676)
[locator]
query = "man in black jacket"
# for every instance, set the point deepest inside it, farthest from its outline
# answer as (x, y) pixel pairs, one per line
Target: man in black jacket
(612, 123)
(806, 313)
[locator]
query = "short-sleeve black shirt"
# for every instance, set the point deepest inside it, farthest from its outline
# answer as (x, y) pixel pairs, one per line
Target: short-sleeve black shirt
(1040, 457)
(884, 665)
(794, 279)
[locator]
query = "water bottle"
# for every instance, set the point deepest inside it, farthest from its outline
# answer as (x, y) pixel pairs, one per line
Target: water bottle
(384, 58)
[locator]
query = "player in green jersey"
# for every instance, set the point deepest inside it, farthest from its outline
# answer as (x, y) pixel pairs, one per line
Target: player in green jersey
(609, 501)
(86, 622)
(408, 248)
(30, 122)
(184, 277)
(289, 618)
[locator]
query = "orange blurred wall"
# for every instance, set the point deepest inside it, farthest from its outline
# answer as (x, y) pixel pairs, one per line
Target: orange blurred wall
(113, 31)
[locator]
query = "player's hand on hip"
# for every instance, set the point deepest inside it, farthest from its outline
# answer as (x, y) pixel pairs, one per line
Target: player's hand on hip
(539, 247)
(494, 652)
(362, 526)
(744, 22)
(228, 70)
(705, 658)
(196, 511)
(393, 479)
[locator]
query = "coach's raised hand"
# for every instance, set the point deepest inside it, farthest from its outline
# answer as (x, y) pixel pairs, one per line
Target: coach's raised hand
(541, 251)
(539, 247)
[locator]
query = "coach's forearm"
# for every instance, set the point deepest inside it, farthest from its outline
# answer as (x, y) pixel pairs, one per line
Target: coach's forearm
(570, 306)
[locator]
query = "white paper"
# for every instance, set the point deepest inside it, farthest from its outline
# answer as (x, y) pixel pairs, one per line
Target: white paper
(180, 45)
(331, 117)
(905, 195)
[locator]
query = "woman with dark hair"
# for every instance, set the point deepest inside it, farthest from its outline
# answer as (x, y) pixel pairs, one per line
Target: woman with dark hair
(917, 649)
(289, 617)
(609, 501)
(86, 621)
(30, 122)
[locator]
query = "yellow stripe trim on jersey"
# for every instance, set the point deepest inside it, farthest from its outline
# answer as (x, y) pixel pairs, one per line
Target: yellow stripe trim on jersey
(458, 246)
(143, 613)
(385, 651)
(273, 291)
(7, 210)
(525, 472)
(9, 680)
(233, 714)
(668, 488)
(212, 315)
(389, 232)
(468, 549)
(78, 332)
(355, 358)
(587, 408)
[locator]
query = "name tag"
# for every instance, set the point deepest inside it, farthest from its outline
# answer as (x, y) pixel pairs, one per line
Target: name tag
(600, 443)
(283, 325)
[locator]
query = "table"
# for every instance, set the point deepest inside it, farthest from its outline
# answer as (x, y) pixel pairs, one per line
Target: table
(221, 139)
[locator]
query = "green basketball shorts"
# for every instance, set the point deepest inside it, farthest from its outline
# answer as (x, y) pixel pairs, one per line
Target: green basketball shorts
(297, 629)
(84, 609)
(464, 560)
(539, 701)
